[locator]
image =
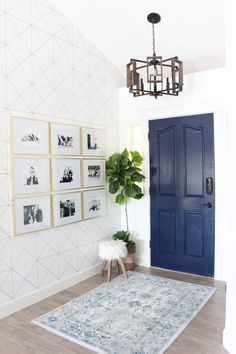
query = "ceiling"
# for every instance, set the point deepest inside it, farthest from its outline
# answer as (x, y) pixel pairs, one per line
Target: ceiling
(192, 30)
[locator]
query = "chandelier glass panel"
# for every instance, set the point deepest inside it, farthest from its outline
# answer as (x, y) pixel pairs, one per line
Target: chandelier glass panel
(155, 76)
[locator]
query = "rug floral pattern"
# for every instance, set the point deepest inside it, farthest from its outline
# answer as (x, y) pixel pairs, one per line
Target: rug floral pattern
(141, 315)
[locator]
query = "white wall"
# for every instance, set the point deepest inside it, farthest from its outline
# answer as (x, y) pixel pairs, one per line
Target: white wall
(203, 92)
(49, 70)
(230, 239)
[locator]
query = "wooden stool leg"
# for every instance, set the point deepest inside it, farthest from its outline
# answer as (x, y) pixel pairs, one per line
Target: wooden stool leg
(103, 267)
(121, 263)
(109, 271)
(118, 267)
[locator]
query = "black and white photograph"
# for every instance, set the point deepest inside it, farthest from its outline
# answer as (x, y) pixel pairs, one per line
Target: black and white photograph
(31, 175)
(94, 203)
(94, 173)
(32, 214)
(31, 178)
(65, 139)
(66, 174)
(93, 142)
(30, 136)
(66, 208)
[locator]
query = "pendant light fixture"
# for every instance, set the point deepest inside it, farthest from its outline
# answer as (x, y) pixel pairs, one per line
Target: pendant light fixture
(155, 76)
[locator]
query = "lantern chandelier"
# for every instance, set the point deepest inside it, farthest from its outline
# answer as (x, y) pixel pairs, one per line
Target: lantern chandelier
(155, 76)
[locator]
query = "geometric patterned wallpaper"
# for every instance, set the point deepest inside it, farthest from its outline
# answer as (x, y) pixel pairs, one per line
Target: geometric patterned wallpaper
(49, 70)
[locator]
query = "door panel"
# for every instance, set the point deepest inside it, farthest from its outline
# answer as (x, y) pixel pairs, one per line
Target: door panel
(167, 225)
(194, 164)
(182, 223)
(193, 234)
(166, 151)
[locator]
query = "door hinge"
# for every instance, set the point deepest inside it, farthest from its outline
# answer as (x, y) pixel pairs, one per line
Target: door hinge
(148, 136)
(150, 244)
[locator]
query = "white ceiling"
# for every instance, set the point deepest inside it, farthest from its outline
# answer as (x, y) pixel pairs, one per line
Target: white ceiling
(191, 29)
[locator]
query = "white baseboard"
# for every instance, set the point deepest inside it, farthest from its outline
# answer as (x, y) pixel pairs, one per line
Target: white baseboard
(142, 262)
(41, 294)
(229, 341)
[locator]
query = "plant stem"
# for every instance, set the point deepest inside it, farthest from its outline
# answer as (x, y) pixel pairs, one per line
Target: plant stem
(126, 215)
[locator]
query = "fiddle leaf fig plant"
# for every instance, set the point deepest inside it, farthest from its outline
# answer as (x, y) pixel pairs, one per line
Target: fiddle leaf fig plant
(124, 173)
(123, 236)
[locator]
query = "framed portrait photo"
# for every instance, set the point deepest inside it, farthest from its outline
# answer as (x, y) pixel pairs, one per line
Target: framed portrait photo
(94, 173)
(30, 136)
(94, 203)
(31, 175)
(93, 142)
(66, 174)
(66, 208)
(65, 139)
(32, 214)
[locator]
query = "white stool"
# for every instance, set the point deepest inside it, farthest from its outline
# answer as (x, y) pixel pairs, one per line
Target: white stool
(112, 250)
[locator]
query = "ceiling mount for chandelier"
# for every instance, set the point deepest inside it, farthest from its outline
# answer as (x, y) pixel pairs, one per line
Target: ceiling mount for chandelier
(155, 76)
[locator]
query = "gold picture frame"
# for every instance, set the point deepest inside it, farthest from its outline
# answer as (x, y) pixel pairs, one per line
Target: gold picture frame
(31, 138)
(34, 214)
(94, 203)
(65, 139)
(71, 210)
(93, 142)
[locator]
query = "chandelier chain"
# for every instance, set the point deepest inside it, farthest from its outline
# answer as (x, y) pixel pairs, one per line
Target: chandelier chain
(153, 40)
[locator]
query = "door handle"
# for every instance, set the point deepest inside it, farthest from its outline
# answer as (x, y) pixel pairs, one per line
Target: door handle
(208, 205)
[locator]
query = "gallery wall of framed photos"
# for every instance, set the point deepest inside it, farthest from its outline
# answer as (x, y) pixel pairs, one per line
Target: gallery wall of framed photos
(58, 174)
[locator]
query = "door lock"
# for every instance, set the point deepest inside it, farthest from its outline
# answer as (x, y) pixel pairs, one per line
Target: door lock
(208, 205)
(209, 185)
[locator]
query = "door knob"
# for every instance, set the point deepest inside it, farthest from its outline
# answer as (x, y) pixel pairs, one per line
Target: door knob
(208, 205)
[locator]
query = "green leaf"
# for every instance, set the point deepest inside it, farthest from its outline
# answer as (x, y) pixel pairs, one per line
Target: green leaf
(109, 172)
(136, 158)
(136, 188)
(130, 243)
(138, 196)
(121, 198)
(121, 235)
(129, 191)
(125, 153)
(132, 189)
(111, 179)
(137, 177)
(130, 171)
(125, 161)
(114, 187)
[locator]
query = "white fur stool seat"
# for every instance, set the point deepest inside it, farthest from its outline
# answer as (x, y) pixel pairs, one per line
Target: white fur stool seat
(112, 250)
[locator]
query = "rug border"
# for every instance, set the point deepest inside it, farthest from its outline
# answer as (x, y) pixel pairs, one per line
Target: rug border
(71, 339)
(100, 351)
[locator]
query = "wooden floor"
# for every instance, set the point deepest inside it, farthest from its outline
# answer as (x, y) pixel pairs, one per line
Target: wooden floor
(202, 336)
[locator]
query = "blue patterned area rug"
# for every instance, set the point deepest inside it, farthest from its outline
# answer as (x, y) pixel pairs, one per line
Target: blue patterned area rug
(141, 315)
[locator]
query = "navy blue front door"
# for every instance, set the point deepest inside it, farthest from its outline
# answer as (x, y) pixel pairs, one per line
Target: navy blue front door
(182, 193)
